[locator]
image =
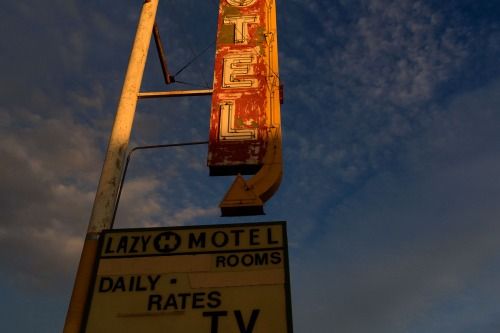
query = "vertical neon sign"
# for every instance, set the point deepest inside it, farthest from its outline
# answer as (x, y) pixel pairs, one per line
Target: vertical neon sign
(245, 102)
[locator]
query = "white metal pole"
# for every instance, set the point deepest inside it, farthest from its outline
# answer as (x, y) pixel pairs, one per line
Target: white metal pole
(104, 203)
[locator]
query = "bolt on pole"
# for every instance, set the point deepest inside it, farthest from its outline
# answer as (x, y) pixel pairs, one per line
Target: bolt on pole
(104, 203)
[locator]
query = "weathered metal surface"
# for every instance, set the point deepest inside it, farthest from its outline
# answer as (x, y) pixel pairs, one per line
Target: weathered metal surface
(174, 93)
(104, 203)
(245, 81)
(219, 278)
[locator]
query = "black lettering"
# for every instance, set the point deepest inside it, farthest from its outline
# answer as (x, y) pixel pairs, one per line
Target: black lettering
(183, 297)
(135, 241)
(276, 258)
(232, 260)
(214, 299)
(153, 281)
(254, 237)
(247, 260)
(105, 284)
(197, 242)
(145, 241)
(237, 233)
(131, 282)
(270, 239)
(220, 241)
(251, 323)
(167, 242)
(138, 286)
(108, 245)
(122, 245)
(171, 302)
(154, 300)
(220, 261)
(261, 259)
(198, 299)
(214, 319)
(120, 284)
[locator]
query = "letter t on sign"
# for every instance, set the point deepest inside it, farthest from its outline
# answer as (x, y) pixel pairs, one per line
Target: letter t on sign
(214, 322)
(241, 26)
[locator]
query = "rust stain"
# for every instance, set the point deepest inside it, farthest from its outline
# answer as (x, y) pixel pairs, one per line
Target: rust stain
(251, 104)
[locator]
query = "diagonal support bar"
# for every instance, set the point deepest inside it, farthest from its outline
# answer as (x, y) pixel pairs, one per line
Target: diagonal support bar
(161, 55)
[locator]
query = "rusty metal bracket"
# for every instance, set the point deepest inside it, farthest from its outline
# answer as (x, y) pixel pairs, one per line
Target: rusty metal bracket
(174, 93)
(162, 56)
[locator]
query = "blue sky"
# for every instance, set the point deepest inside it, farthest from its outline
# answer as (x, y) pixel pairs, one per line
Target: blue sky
(391, 132)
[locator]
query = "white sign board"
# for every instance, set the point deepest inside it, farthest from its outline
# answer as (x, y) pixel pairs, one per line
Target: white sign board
(215, 279)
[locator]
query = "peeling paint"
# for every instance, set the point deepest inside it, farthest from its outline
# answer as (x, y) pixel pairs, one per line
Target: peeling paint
(243, 80)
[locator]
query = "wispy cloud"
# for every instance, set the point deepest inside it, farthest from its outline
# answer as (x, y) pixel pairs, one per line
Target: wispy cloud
(44, 202)
(360, 83)
(422, 240)
(63, 73)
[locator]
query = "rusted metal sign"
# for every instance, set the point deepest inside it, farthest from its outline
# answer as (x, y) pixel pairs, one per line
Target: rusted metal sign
(245, 115)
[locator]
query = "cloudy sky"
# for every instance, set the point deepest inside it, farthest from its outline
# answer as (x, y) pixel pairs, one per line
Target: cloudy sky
(391, 130)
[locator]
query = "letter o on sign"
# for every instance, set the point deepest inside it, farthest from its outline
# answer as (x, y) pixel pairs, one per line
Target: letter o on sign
(241, 3)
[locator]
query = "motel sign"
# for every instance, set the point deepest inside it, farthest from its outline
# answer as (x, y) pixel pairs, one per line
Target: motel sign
(245, 101)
